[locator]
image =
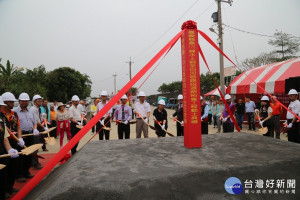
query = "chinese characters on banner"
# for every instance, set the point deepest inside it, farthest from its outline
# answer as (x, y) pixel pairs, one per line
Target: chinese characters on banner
(191, 89)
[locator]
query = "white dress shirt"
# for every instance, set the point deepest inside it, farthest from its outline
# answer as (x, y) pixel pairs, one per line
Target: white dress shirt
(100, 106)
(75, 113)
(142, 108)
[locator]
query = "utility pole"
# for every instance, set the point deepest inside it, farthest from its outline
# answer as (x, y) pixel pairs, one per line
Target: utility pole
(115, 82)
(130, 62)
(221, 43)
(221, 47)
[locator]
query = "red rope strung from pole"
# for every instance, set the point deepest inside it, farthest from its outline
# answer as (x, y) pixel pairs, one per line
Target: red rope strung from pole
(49, 166)
(136, 89)
(222, 96)
(216, 47)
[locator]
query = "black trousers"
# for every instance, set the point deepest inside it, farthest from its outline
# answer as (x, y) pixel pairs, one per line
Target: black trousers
(3, 177)
(25, 161)
(209, 118)
(179, 129)
(53, 132)
(294, 132)
(251, 121)
(103, 131)
(74, 131)
(12, 166)
(124, 130)
(204, 127)
(268, 124)
(228, 127)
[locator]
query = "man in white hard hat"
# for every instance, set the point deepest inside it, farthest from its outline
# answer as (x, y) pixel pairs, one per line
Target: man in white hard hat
(105, 119)
(204, 116)
(122, 116)
(13, 124)
(35, 109)
(5, 148)
(75, 118)
(143, 109)
(292, 121)
(227, 121)
(28, 126)
(178, 115)
(160, 117)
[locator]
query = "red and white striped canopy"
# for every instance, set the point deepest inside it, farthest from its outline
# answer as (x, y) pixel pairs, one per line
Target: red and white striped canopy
(214, 92)
(270, 77)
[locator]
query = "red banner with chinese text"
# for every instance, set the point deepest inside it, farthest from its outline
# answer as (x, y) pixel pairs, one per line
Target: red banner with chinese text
(191, 89)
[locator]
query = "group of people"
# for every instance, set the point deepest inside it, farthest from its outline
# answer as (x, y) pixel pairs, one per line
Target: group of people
(22, 121)
(267, 113)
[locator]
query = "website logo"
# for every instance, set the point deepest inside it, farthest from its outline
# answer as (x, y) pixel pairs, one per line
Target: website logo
(233, 185)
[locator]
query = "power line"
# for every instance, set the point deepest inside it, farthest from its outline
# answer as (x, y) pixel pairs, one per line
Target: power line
(204, 11)
(248, 31)
(259, 34)
(168, 29)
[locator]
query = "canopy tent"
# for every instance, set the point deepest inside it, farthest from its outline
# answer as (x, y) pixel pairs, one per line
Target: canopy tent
(214, 92)
(270, 77)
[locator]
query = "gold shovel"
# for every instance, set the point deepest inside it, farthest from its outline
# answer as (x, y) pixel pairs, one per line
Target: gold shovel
(262, 130)
(49, 140)
(2, 166)
(29, 150)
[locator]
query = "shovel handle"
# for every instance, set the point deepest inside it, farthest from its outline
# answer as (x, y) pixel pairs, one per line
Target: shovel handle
(9, 155)
(14, 137)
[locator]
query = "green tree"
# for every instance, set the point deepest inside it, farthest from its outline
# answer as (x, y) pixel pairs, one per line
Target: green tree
(288, 45)
(6, 73)
(64, 82)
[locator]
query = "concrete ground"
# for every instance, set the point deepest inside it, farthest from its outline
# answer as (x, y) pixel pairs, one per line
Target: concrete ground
(156, 168)
(114, 134)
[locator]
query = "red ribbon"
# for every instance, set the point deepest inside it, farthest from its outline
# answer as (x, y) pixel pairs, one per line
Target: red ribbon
(216, 47)
(226, 105)
(60, 155)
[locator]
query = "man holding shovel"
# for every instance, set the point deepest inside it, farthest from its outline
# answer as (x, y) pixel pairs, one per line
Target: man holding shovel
(28, 126)
(4, 148)
(35, 109)
(12, 122)
(143, 110)
(123, 115)
(178, 116)
(75, 118)
(103, 125)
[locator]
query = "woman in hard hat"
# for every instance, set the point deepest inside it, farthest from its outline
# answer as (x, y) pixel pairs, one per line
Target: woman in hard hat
(292, 122)
(265, 114)
(160, 116)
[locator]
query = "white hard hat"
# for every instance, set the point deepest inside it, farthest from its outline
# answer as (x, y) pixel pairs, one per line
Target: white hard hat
(1, 102)
(162, 102)
(35, 97)
(265, 98)
(201, 97)
(124, 97)
(103, 93)
(180, 97)
(227, 96)
(24, 97)
(142, 94)
(8, 96)
(292, 91)
(75, 98)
